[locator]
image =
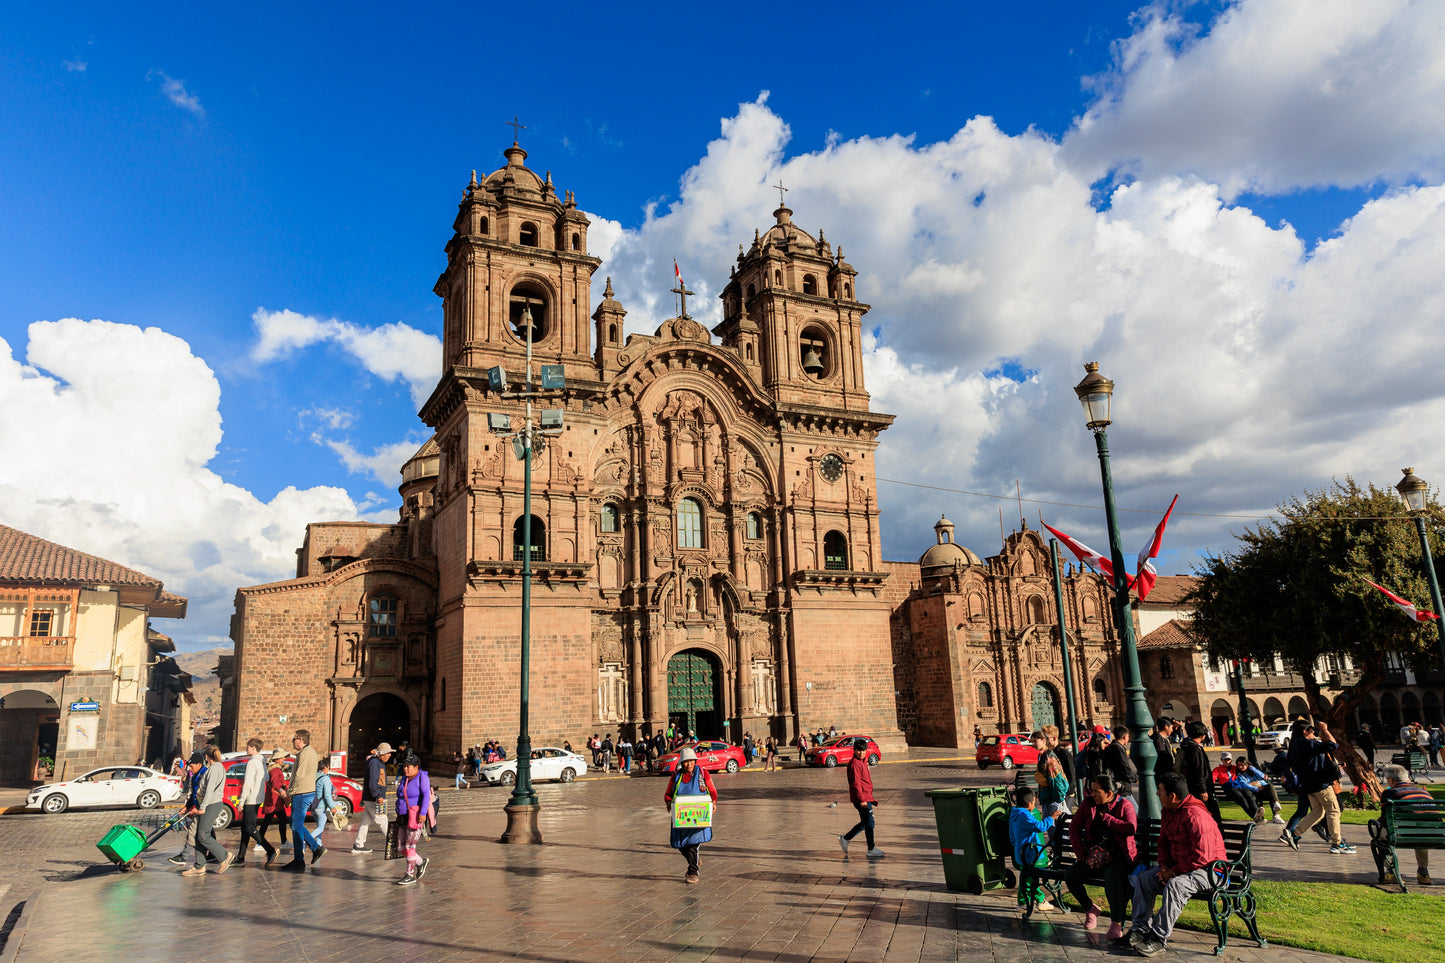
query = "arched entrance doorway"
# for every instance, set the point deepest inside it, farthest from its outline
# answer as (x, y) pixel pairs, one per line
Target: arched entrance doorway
(694, 693)
(1431, 712)
(377, 718)
(1221, 715)
(1298, 708)
(1389, 716)
(1045, 705)
(1273, 711)
(29, 735)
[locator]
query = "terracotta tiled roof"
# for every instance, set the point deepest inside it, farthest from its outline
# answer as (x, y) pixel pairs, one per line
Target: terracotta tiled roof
(25, 558)
(1169, 591)
(1173, 634)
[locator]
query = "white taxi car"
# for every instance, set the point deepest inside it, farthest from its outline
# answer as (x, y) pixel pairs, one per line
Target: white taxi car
(549, 762)
(111, 786)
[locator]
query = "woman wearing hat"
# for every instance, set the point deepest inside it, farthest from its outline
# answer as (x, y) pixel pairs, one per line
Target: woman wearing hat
(689, 780)
(414, 809)
(273, 809)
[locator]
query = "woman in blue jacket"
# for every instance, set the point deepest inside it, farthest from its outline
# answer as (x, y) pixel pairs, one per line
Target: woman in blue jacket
(689, 780)
(413, 809)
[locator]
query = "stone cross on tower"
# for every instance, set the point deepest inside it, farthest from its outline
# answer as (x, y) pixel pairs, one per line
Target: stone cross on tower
(780, 189)
(517, 127)
(682, 292)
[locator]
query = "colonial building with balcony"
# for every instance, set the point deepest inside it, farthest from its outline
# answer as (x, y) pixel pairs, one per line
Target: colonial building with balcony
(76, 652)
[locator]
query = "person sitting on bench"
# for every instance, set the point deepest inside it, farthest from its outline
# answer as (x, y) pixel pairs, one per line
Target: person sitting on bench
(1189, 841)
(1102, 833)
(1253, 789)
(1402, 790)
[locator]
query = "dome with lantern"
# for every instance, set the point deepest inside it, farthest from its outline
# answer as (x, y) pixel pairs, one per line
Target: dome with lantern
(947, 554)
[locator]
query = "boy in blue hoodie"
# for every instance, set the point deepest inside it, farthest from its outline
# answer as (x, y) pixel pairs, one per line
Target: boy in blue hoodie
(1028, 831)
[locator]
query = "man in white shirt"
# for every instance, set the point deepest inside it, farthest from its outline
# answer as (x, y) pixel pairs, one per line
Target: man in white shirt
(253, 788)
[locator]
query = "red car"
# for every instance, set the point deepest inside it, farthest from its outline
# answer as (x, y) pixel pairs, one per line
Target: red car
(712, 756)
(840, 750)
(347, 791)
(1007, 751)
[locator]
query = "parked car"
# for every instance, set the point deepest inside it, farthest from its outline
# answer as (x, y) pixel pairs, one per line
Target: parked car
(111, 786)
(347, 791)
(1007, 751)
(840, 750)
(548, 763)
(712, 756)
(1275, 737)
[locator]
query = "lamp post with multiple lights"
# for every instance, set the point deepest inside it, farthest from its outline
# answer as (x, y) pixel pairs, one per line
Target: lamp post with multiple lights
(523, 808)
(1095, 392)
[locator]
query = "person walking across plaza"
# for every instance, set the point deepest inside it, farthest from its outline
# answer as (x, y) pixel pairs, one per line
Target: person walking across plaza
(190, 777)
(325, 797)
(253, 795)
(607, 753)
(1400, 790)
(690, 779)
(770, 755)
(1102, 834)
(860, 794)
(1193, 762)
(1312, 761)
(273, 806)
(414, 808)
(207, 803)
(373, 798)
(1189, 841)
(461, 767)
(302, 791)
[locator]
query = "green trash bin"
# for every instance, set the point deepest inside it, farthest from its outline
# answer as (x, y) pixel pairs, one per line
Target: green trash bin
(973, 838)
(122, 844)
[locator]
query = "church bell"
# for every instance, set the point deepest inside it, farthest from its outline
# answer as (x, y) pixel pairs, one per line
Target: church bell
(812, 362)
(526, 327)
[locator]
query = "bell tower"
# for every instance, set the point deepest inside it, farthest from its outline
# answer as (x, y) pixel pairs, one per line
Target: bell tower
(793, 305)
(517, 248)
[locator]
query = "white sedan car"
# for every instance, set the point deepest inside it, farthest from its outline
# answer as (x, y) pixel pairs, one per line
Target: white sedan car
(111, 786)
(548, 762)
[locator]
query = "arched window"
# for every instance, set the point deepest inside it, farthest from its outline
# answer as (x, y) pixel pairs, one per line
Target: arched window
(1101, 691)
(778, 278)
(1091, 609)
(1035, 610)
(810, 284)
(609, 518)
(813, 355)
(689, 523)
(576, 242)
(985, 695)
(835, 552)
(751, 290)
(383, 616)
(847, 290)
(527, 235)
(444, 695)
(528, 298)
(612, 333)
(539, 540)
(749, 351)
(484, 226)
(755, 525)
(1166, 667)
(975, 605)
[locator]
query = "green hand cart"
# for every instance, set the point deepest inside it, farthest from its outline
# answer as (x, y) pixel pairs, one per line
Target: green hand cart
(973, 838)
(123, 845)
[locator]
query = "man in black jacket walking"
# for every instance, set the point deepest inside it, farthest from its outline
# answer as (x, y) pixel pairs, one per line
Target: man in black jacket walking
(1116, 762)
(1193, 764)
(373, 798)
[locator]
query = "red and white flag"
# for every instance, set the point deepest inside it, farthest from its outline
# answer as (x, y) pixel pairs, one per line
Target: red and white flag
(1411, 612)
(677, 271)
(1085, 554)
(1146, 574)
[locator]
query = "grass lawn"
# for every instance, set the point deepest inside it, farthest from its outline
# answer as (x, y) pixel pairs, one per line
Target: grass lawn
(1349, 817)
(1339, 918)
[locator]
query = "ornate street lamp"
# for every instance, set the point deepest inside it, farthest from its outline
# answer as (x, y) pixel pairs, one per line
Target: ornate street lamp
(1413, 490)
(523, 808)
(1095, 392)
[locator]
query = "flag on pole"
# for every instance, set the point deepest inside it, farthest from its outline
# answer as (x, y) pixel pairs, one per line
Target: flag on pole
(1146, 574)
(1084, 553)
(1411, 612)
(676, 271)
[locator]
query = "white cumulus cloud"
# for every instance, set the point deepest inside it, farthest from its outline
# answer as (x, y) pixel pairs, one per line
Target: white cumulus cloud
(175, 91)
(392, 352)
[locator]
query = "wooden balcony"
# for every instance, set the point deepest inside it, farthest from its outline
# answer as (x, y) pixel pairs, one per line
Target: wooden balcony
(23, 653)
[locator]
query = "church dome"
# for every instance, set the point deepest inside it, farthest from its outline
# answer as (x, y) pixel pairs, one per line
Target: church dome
(947, 553)
(786, 234)
(514, 173)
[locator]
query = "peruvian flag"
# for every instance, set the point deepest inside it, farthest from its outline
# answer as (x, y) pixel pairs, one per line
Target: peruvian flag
(1411, 612)
(677, 271)
(1147, 574)
(1085, 554)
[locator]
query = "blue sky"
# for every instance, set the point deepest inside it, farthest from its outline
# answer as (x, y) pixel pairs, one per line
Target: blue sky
(1235, 207)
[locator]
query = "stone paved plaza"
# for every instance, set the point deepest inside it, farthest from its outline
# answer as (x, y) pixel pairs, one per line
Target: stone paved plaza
(604, 887)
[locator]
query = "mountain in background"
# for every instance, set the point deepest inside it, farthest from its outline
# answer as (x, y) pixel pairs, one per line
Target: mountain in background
(204, 684)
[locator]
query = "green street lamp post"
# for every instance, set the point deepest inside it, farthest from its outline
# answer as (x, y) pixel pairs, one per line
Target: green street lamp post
(523, 808)
(1094, 394)
(1072, 728)
(1413, 490)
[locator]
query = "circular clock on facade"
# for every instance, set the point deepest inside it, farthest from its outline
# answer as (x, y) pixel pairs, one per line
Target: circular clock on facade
(832, 467)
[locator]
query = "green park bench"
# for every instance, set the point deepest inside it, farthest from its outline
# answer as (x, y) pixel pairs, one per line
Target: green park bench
(1406, 824)
(1413, 760)
(1230, 896)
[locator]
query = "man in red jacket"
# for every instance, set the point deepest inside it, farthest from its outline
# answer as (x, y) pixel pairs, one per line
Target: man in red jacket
(1189, 841)
(860, 794)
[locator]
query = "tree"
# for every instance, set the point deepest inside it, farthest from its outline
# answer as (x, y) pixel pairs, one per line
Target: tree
(1295, 588)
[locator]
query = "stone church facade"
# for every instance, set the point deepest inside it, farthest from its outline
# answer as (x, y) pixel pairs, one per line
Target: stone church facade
(705, 527)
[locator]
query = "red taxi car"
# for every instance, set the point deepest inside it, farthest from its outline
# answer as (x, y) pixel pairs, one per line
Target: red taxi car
(839, 751)
(712, 756)
(1007, 751)
(347, 791)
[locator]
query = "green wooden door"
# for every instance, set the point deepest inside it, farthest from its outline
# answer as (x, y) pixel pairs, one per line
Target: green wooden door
(1045, 705)
(692, 691)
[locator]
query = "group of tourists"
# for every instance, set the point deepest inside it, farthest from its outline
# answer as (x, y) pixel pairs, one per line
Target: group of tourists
(269, 797)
